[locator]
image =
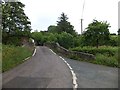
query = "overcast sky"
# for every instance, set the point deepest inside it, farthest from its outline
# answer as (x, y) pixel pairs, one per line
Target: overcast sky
(43, 13)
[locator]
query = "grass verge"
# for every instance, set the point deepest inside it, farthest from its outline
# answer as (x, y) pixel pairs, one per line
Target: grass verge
(14, 55)
(104, 55)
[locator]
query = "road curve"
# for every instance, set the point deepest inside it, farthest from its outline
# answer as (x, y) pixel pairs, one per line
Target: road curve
(94, 76)
(44, 70)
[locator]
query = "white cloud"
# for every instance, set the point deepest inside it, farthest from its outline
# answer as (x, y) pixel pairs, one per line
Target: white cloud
(43, 13)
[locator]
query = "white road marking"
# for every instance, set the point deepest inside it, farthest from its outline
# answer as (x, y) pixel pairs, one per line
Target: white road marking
(52, 51)
(26, 59)
(32, 55)
(34, 52)
(74, 78)
(75, 85)
(70, 67)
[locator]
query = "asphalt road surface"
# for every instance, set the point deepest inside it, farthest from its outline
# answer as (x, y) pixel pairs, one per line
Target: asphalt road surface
(44, 70)
(47, 70)
(94, 76)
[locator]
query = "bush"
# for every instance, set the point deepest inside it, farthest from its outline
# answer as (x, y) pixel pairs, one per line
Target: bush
(13, 40)
(65, 40)
(93, 50)
(78, 41)
(113, 40)
(105, 60)
(50, 37)
(104, 55)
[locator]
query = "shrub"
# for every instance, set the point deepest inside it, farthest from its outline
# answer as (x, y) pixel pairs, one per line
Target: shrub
(105, 60)
(93, 50)
(65, 40)
(104, 55)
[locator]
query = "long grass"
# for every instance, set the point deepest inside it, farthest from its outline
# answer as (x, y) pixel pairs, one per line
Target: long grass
(93, 50)
(13, 55)
(105, 55)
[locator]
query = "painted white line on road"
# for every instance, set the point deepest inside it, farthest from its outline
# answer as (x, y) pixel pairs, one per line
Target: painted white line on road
(34, 52)
(65, 61)
(32, 55)
(74, 78)
(52, 51)
(62, 58)
(26, 59)
(70, 67)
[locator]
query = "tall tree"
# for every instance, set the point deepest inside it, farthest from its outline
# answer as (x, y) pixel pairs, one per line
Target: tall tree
(14, 20)
(97, 33)
(64, 26)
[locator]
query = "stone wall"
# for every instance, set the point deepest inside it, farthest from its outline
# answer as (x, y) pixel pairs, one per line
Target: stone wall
(64, 51)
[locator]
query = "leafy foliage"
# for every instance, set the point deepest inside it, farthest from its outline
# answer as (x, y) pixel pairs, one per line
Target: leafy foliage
(14, 21)
(105, 60)
(52, 29)
(104, 55)
(93, 50)
(43, 37)
(113, 40)
(97, 33)
(64, 26)
(38, 37)
(65, 40)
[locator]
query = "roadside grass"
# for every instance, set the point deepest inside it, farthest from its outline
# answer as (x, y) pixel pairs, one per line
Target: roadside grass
(105, 55)
(0, 57)
(14, 55)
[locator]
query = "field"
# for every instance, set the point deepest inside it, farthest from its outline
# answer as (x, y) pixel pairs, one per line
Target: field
(14, 55)
(105, 55)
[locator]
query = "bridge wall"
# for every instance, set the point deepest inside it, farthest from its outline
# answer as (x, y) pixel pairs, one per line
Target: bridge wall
(62, 50)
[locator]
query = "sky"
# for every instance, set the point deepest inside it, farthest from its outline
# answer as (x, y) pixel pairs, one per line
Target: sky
(43, 13)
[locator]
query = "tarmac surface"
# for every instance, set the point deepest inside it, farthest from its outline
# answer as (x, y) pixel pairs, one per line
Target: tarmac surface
(47, 70)
(44, 70)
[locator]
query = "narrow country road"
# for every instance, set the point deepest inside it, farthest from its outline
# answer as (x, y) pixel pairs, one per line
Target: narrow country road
(94, 76)
(44, 70)
(47, 70)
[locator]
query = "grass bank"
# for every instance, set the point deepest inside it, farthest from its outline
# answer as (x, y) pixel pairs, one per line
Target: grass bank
(105, 55)
(14, 55)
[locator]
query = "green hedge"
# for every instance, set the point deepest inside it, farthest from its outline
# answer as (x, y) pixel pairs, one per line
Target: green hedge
(93, 50)
(105, 55)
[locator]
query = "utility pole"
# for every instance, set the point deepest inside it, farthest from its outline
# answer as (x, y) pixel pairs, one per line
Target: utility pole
(81, 26)
(82, 17)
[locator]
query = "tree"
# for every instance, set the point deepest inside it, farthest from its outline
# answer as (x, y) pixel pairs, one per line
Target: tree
(97, 33)
(50, 37)
(66, 40)
(52, 29)
(14, 21)
(64, 26)
(113, 40)
(38, 37)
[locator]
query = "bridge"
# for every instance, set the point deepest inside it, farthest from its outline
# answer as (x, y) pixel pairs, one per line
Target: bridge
(46, 69)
